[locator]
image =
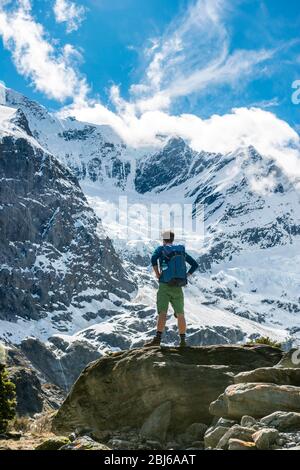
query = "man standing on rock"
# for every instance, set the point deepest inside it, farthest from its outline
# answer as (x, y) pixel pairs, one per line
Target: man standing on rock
(169, 264)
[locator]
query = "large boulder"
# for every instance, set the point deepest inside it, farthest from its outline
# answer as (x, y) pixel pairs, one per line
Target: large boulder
(274, 375)
(126, 387)
(256, 400)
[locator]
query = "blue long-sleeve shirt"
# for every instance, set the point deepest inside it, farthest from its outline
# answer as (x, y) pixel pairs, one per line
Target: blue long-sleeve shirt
(158, 256)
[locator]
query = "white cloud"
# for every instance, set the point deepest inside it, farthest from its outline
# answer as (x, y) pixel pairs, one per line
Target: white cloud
(34, 56)
(68, 12)
(194, 55)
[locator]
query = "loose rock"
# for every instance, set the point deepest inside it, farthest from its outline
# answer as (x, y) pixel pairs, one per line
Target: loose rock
(237, 444)
(265, 438)
(54, 443)
(213, 436)
(236, 432)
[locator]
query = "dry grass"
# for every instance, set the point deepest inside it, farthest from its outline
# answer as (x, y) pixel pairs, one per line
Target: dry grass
(27, 442)
(34, 432)
(20, 424)
(42, 424)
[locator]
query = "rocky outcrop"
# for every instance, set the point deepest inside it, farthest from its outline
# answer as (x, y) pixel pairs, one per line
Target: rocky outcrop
(127, 387)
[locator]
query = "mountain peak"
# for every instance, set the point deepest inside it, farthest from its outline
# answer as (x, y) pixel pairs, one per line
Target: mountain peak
(177, 142)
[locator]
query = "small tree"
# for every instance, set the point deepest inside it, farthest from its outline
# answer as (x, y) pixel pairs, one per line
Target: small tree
(7, 399)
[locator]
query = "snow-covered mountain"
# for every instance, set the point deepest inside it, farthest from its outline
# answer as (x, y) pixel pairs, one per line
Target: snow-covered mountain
(56, 261)
(249, 277)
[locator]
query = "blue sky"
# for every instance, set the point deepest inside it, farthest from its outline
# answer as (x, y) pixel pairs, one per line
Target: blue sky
(129, 57)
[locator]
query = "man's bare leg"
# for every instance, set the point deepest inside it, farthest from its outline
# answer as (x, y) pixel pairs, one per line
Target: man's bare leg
(161, 323)
(181, 324)
(181, 328)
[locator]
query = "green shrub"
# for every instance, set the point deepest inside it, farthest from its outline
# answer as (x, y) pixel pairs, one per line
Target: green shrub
(7, 399)
(266, 340)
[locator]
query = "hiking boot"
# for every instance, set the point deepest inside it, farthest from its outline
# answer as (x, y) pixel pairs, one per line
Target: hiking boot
(154, 342)
(182, 343)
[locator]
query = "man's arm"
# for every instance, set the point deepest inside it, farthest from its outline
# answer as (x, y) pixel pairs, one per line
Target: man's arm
(157, 272)
(154, 259)
(192, 262)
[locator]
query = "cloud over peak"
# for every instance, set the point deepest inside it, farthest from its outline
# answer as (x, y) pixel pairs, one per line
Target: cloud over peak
(194, 55)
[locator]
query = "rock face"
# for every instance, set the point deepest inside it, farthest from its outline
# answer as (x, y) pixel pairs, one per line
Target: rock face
(155, 172)
(256, 400)
(127, 387)
(28, 391)
(34, 393)
(54, 256)
(60, 370)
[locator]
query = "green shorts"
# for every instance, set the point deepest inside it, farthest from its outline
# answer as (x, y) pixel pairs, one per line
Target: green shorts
(169, 294)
